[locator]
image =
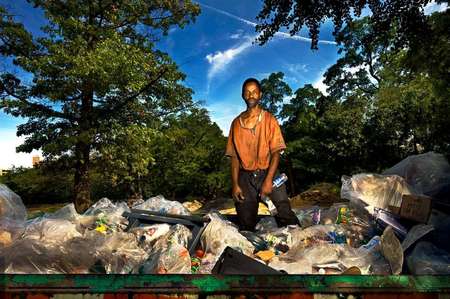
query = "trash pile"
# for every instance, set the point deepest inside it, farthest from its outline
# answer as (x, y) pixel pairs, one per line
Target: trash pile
(389, 225)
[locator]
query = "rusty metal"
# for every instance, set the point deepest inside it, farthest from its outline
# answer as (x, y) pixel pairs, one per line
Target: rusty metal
(214, 284)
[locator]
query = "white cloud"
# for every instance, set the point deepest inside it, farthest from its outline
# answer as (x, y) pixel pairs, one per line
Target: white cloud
(296, 68)
(320, 85)
(8, 156)
(238, 34)
(278, 34)
(434, 7)
(221, 59)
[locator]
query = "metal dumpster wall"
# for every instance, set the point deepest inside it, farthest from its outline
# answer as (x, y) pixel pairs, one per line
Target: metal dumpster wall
(232, 286)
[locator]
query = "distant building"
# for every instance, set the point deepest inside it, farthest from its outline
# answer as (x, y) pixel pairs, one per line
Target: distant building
(36, 160)
(4, 171)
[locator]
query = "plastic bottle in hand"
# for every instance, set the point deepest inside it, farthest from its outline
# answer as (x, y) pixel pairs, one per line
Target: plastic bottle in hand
(277, 182)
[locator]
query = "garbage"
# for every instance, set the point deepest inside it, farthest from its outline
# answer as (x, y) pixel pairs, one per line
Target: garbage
(107, 216)
(416, 208)
(31, 257)
(234, 262)
(308, 217)
(258, 242)
(427, 173)
(392, 250)
(267, 224)
(5, 238)
(50, 232)
(221, 233)
(375, 191)
(416, 233)
(147, 234)
(169, 254)
(427, 259)
(119, 252)
(385, 218)
(162, 205)
(218, 235)
(11, 206)
(265, 255)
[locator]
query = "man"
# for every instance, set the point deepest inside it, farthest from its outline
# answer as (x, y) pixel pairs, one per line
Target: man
(254, 145)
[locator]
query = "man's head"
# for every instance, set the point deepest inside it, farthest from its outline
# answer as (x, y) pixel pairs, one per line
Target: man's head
(251, 92)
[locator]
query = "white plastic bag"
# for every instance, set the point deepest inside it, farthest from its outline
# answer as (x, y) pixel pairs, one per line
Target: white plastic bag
(162, 205)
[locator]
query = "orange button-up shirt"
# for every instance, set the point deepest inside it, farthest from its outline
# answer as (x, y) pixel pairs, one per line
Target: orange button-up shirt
(255, 147)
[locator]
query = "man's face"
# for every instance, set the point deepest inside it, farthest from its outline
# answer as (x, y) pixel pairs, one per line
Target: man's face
(252, 94)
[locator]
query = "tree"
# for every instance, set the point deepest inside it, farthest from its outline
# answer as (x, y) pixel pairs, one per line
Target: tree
(96, 65)
(189, 157)
(274, 90)
(406, 15)
(125, 155)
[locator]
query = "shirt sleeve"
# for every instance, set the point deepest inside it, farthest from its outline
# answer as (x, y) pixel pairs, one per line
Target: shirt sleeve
(276, 142)
(230, 150)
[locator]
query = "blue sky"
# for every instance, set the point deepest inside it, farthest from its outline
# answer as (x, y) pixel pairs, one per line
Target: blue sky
(216, 54)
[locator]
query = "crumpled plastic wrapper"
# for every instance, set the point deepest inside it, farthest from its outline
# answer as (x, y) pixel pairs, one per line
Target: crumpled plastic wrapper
(169, 255)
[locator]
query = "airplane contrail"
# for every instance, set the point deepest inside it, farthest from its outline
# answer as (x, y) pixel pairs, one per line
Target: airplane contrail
(253, 24)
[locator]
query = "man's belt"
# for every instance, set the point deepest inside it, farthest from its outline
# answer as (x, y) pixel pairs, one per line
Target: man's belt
(254, 172)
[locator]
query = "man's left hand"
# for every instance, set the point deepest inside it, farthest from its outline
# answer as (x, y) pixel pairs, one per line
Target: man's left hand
(266, 188)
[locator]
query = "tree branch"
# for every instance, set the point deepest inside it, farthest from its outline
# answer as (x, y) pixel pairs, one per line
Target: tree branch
(35, 106)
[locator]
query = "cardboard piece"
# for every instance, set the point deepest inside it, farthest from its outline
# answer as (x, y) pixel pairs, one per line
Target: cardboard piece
(416, 208)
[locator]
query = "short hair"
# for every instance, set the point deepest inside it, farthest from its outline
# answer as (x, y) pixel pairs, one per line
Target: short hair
(250, 80)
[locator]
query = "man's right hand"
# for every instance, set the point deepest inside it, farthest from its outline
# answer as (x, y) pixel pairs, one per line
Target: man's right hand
(238, 196)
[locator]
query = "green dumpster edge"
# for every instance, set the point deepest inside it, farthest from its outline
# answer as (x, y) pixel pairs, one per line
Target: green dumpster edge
(210, 284)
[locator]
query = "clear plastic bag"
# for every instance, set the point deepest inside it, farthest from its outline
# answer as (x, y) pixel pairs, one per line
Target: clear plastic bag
(308, 217)
(50, 232)
(108, 216)
(375, 191)
(427, 259)
(147, 234)
(169, 254)
(162, 205)
(427, 173)
(221, 233)
(31, 257)
(10, 231)
(120, 253)
(267, 224)
(11, 206)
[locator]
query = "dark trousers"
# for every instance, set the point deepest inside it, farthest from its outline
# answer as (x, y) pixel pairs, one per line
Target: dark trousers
(250, 183)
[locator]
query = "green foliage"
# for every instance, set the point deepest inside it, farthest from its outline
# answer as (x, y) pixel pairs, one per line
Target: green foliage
(274, 90)
(38, 185)
(383, 104)
(96, 66)
(189, 158)
(125, 155)
(406, 15)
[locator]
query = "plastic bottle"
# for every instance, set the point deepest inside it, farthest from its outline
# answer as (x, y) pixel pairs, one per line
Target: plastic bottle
(277, 182)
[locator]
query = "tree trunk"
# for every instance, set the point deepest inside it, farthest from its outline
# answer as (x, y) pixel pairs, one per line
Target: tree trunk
(82, 188)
